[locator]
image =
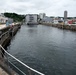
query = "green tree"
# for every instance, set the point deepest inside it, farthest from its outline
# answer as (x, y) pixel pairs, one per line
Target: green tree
(14, 16)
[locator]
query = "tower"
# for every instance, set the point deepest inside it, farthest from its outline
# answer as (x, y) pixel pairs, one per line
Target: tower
(65, 16)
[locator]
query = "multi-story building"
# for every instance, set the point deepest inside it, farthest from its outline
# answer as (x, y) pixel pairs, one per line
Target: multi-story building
(42, 15)
(31, 19)
(47, 19)
(65, 16)
(3, 19)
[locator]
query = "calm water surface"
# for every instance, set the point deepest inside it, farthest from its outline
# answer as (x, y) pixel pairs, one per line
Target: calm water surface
(49, 50)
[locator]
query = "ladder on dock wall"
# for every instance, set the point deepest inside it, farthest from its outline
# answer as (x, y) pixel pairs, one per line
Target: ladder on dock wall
(28, 70)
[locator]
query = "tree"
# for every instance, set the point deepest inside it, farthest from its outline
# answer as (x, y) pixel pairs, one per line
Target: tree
(14, 16)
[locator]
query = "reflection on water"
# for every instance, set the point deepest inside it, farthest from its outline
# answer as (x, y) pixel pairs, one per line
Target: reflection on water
(32, 25)
(47, 49)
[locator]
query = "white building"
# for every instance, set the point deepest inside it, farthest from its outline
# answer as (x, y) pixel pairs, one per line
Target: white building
(31, 19)
(3, 18)
(55, 21)
(42, 15)
(47, 19)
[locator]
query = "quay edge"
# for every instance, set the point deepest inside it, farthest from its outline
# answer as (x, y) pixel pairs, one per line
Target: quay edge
(5, 37)
(67, 27)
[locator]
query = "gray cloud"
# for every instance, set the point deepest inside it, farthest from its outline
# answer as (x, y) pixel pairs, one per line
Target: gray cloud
(20, 0)
(50, 7)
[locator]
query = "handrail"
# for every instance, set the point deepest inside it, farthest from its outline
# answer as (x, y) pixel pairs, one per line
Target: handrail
(13, 65)
(22, 62)
(4, 34)
(16, 68)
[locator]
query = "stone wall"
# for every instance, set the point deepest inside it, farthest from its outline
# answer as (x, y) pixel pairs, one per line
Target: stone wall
(67, 27)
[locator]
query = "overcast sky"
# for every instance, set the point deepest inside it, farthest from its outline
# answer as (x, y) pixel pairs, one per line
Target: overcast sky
(50, 7)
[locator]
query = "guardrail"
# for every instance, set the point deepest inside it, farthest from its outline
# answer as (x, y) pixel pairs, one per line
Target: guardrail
(30, 71)
(4, 36)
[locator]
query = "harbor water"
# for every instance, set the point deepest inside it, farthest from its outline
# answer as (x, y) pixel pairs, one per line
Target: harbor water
(49, 50)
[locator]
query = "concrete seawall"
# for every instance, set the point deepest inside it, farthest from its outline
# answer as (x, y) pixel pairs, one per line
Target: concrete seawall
(67, 27)
(6, 34)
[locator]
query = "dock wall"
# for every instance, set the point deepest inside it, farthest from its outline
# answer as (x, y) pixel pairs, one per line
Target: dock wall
(7, 32)
(67, 27)
(5, 36)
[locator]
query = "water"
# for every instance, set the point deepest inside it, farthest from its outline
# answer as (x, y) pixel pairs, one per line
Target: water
(49, 50)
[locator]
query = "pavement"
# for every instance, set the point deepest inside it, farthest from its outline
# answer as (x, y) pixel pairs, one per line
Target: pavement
(2, 72)
(2, 26)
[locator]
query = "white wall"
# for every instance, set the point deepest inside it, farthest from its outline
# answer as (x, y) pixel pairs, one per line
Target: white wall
(3, 19)
(42, 15)
(55, 22)
(33, 18)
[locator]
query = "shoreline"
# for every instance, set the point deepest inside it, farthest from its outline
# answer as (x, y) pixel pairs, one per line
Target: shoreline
(67, 27)
(5, 37)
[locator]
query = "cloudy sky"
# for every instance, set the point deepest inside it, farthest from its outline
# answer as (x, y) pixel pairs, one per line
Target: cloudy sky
(50, 7)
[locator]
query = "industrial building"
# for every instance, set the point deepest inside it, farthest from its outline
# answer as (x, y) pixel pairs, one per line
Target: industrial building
(31, 19)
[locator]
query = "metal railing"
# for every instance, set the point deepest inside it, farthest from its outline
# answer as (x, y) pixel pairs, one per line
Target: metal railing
(30, 70)
(4, 36)
(9, 62)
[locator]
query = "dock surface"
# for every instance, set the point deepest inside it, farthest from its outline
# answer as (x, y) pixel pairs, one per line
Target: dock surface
(2, 26)
(2, 72)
